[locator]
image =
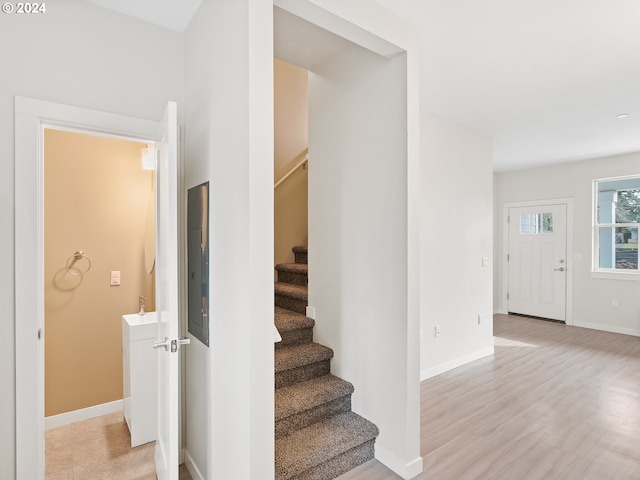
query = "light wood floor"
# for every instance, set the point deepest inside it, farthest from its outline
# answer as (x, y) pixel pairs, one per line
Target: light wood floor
(554, 402)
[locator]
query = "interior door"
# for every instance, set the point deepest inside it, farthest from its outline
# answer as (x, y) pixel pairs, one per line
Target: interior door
(537, 261)
(166, 454)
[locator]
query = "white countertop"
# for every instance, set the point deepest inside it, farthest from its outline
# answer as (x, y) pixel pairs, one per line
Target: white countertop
(141, 327)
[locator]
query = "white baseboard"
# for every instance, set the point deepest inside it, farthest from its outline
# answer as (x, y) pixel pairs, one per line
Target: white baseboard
(83, 414)
(608, 328)
(192, 467)
(455, 363)
(391, 461)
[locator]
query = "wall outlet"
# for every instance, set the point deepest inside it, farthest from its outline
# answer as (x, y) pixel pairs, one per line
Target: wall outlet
(437, 332)
(615, 303)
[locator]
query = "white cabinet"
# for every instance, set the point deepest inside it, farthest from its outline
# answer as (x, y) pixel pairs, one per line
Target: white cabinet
(140, 376)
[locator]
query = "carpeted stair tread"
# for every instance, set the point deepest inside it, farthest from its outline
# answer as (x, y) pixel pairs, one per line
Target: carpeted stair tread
(300, 254)
(293, 273)
(301, 268)
(298, 292)
(317, 436)
(286, 320)
(307, 395)
(299, 355)
(316, 444)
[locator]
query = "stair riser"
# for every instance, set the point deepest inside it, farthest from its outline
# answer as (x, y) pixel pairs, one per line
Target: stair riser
(293, 277)
(302, 373)
(295, 337)
(293, 304)
(300, 257)
(338, 465)
(313, 415)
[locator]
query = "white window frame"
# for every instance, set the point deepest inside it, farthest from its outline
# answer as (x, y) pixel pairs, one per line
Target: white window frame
(596, 270)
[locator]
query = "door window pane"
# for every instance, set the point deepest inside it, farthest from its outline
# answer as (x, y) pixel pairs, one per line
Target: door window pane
(547, 223)
(536, 223)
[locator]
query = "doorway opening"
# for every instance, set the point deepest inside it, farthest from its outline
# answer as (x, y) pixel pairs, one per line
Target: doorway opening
(32, 118)
(99, 242)
(361, 183)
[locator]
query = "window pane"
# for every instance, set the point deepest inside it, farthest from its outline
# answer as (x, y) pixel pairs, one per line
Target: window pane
(618, 248)
(617, 207)
(628, 206)
(627, 248)
(547, 223)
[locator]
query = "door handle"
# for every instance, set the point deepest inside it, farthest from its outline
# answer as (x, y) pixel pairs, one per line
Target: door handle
(164, 344)
(561, 269)
(172, 344)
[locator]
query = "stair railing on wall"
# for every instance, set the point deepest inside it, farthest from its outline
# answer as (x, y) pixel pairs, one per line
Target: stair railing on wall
(300, 160)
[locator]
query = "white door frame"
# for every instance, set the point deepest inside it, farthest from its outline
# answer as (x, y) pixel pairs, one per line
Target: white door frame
(31, 118)
(568, 202)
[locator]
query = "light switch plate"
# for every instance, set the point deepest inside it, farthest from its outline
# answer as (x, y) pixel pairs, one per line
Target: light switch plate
(115, 277)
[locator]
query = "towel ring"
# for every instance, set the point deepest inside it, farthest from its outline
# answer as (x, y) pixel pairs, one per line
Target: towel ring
(79, 255)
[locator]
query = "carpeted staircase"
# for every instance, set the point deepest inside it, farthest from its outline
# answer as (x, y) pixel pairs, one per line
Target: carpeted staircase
(318, 437)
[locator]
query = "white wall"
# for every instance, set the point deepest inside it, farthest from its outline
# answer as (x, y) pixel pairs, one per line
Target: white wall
(456, 221)
(229, 141)
(82, 55)
(358, 240)
(497, 215)
(592, 298)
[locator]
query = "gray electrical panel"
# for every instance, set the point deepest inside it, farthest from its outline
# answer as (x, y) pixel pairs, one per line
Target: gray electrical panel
(198, 261)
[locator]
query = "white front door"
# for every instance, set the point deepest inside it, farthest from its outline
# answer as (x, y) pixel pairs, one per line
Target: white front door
(537, 261)
(166, 456)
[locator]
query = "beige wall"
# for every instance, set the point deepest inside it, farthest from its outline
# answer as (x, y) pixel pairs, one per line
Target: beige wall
(290, 215)
(96, 196)
(291, 113)
(290, 138)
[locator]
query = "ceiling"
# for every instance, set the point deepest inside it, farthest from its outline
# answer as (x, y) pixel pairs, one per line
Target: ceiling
(546, 79)
(171, 14)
